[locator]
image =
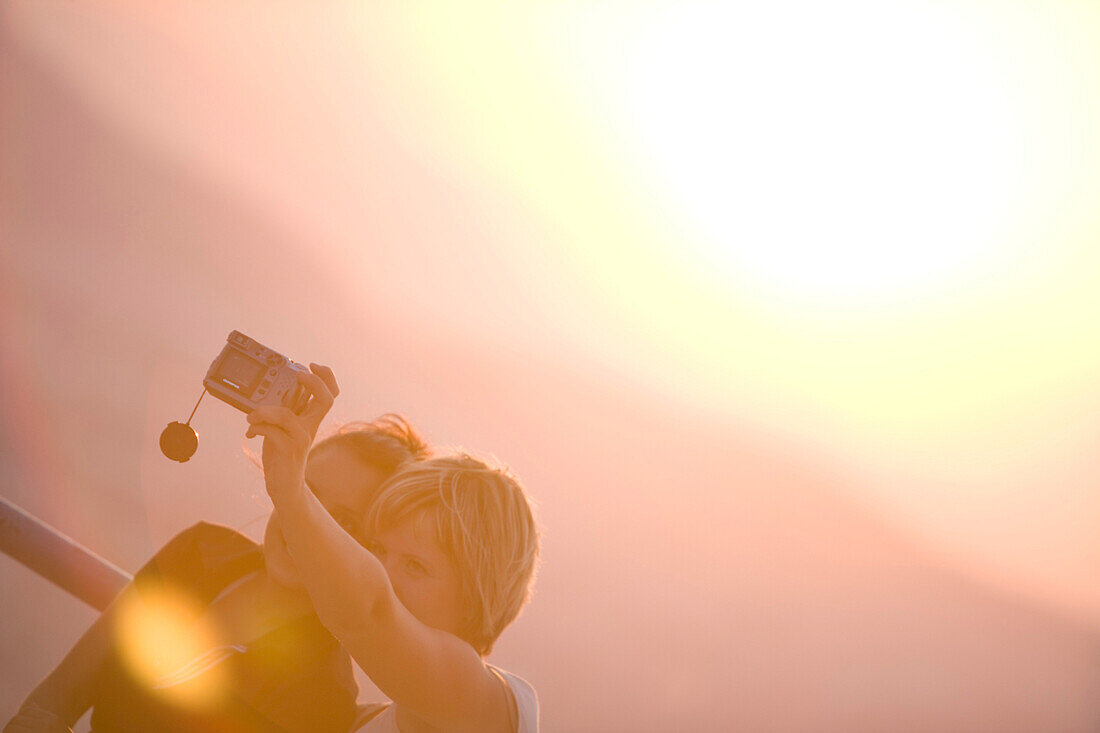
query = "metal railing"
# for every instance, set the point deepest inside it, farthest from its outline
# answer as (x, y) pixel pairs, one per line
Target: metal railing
(58, 558)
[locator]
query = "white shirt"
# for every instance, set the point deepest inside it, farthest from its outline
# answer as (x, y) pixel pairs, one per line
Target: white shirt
(527, 708)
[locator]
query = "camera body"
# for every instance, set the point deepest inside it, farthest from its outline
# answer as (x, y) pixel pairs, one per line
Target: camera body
(247, 375)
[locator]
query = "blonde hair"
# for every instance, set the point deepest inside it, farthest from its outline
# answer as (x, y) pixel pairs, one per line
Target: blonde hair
(383, 443)
(483, 522)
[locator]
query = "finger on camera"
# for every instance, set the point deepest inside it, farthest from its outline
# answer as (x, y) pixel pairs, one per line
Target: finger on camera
(280, 418)
(275, 414)
(253, 433)
(268, 431)
(317, 387)
(321, 402)
(326, 375)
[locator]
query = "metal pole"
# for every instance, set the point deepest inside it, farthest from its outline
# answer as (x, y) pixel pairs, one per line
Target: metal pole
(59, 559)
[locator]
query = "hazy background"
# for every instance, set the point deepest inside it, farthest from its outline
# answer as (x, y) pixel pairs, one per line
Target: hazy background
(788, 317)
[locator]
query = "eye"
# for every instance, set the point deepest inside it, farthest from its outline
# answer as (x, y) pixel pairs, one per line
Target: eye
(376, 549)
(415, 568)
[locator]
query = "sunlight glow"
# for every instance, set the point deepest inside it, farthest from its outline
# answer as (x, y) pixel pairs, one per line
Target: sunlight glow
(878, 211)
(849, 150)
(160, 633)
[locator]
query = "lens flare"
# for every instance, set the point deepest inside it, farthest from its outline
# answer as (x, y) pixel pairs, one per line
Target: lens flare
(164, 632)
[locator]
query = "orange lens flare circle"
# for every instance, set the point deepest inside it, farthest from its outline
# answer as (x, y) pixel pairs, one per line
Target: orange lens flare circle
(163, 632)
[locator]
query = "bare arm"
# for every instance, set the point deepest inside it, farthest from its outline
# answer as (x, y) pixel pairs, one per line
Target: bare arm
(429, 673)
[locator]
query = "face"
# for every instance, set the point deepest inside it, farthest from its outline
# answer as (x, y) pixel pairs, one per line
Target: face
(424, 578)
(344, 484)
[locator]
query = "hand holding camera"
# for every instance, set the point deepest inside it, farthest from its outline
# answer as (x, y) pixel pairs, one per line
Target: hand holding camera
(271, 389)
(288, 435)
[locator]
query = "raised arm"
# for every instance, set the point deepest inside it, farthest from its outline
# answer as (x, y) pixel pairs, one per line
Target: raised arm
(429, 673)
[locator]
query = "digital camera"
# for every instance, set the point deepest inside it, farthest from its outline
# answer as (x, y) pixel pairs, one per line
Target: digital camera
(247, 375)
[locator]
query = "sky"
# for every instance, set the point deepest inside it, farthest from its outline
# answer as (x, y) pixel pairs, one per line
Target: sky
(786, 314)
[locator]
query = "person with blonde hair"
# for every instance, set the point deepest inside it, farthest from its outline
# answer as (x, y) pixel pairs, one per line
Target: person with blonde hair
(443, 563)
(267, 662)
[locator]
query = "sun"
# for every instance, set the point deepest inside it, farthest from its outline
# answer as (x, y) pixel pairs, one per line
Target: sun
(842, 151)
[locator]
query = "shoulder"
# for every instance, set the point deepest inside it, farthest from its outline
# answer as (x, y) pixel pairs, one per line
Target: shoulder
(208, 535)
(196, 553)
(204, 543)
(527, 701)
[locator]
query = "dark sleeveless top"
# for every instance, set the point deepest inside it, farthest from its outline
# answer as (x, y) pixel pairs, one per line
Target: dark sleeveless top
(294, 678)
